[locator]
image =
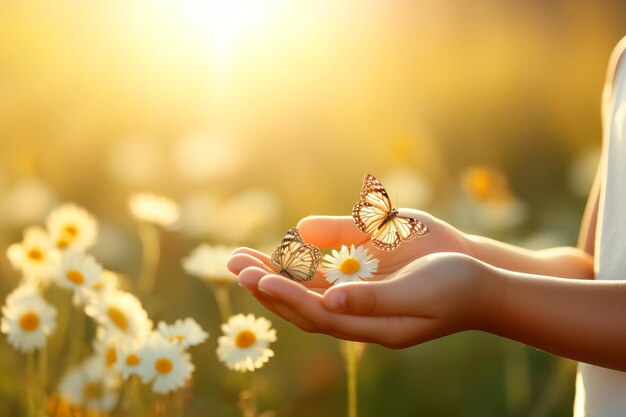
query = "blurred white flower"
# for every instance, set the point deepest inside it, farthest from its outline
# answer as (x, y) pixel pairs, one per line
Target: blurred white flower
(121, 314)
(151, 208)
(35, 256)
(27, 319)
(108, 282)
(209, 264)
(349, 265)
(245, 343)
(106, 345)
(249, 213)
(195, 220)
(164, 363)
(200, 157)
(78, 270)
(186, 332)
(90, 385)
(26, 202)
(72, 226)
(488, 203)
(129, 357)
(134, 161)
(412, 189)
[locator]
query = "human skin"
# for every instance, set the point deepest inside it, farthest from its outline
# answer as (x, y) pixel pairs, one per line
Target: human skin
(424, 293)
(448, 282)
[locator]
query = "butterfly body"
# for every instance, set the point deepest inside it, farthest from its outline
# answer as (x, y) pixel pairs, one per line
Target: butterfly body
(294, 258)
(374, 214)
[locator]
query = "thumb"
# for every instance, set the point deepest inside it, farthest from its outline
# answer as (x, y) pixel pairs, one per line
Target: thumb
(380, 298)
(331, 231)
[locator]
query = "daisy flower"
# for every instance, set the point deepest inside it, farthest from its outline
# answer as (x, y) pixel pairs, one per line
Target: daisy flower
(35, 256)
(183, 332)
(129, 358)
(90, 385)
(78, 270)
(152, 208)
(72, 226)
(121, 314)
(164, 363)
(106, 346)
(349, 265)
(108, 282)
(244, 345)
(27, 319)
(209, 263)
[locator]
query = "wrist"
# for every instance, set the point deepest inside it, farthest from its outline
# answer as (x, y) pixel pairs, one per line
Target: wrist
(491, 294)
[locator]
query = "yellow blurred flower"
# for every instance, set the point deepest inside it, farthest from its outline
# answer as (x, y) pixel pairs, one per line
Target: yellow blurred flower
(90, 385)
(27, 319)
(152, 208)
(209, 264)
(35, 256)
(121, 313)
(72, 226)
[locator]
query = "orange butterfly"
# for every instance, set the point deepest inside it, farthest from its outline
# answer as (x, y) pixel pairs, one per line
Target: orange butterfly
(294, 258)
(374, 214)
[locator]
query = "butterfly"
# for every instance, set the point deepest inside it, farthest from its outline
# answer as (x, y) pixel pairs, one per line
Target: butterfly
(294, 258)
(374, 214)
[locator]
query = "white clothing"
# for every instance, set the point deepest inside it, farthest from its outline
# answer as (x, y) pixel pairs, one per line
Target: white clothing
(601, 392)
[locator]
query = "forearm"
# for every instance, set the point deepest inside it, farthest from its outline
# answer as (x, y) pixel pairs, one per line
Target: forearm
(564, 262)
(577, 319)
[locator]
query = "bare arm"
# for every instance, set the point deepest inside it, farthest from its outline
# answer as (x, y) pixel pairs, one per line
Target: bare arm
(577, 319)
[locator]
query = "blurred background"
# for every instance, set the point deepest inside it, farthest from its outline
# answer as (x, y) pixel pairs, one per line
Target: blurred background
(254, 114)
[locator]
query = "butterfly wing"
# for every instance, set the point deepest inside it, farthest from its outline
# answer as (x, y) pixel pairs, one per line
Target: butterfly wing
(374, 214)
(294, 258)
(371, 211)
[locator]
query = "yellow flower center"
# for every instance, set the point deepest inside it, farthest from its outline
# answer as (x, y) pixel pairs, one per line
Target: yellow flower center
(350, 266)
(75, 276)
(93, 390)
(118, 318)
(111, 356)
(29, 321)
(163, 366)
(71, 230)
(35, 254)
(176, 339)
(132, 360)
(63, 243)
(245, 338)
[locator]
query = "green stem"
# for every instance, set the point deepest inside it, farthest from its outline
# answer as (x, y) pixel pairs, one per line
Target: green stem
(43, 377)
(223, 302)
(31, 390)
(351, 361)
(149, 236)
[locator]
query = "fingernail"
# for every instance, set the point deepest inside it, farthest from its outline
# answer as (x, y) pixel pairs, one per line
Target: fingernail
(265, 288)
(335, 301)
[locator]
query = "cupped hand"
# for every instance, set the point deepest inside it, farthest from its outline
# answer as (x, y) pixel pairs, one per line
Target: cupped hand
(419, 296)
(334, 231)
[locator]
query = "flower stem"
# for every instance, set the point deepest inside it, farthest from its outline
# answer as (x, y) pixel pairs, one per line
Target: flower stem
(351, 361)
(223, 302)
(150, 243)
(31, 391)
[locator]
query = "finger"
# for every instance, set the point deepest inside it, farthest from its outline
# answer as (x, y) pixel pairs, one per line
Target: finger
(245, 257)
(305, 308)
(331, 231)
(254, 253)
(380, 298)
(248, 279)
(238, 262)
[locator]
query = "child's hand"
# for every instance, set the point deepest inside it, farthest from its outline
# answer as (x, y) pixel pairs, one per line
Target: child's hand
(428, 298)
(417, 300)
